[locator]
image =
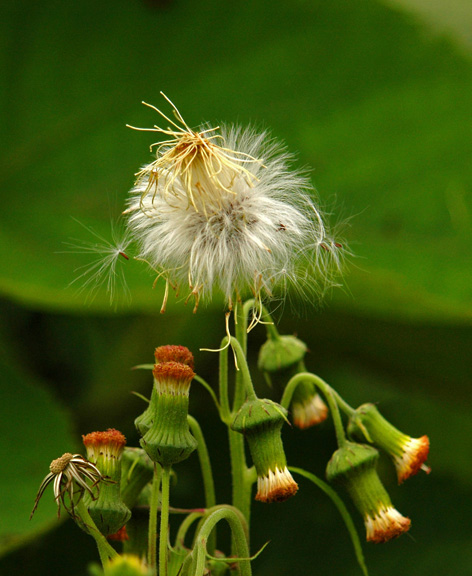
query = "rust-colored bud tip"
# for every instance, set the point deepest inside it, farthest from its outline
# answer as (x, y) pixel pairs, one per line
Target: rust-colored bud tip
(415, 453)
(173, 371)
(171, 353)
(110, 437)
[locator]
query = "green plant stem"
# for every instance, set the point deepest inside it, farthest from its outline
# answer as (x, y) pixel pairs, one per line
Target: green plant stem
(184, 527)
(105, 550)
(246, 388)
(225, 411)
(239, 538)
(345, 407)
(154, 505)
(207, 474)
(164, 531)
(327, 392)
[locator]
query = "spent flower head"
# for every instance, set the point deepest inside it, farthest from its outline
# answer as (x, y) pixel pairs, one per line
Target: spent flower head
(220, 210)
(72, 476)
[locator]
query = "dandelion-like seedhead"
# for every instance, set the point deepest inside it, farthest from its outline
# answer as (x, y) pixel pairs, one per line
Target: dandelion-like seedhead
(220, 210)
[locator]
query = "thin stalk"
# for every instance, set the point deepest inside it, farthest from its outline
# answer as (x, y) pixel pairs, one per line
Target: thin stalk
(239, 538)
(345, 407)
(105, 550)
(225, 412)
(245, 375)
(207, 474)
(327, 392)
(164, 532)
(184, 527)
(152, 534)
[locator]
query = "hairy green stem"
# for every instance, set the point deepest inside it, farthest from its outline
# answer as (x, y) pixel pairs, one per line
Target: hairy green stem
(164, 531)
(184, 527)
(239, 538)
(105, 550)
(225, 411)
(207, 474)
(246, 388)
(154, 505)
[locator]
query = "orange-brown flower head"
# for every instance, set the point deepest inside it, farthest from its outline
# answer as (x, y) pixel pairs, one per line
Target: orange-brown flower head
(172, 353)
(108, 511)
(104, 448)
(173, 378)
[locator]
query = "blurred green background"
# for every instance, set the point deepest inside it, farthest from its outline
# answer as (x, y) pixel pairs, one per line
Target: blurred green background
(376, 99)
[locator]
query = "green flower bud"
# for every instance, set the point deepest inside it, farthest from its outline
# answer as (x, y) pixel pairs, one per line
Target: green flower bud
(136, 471)
(408, 454)
(354, 467)
(169, 440)
(108, 511)
(280, 353)
(261, 422)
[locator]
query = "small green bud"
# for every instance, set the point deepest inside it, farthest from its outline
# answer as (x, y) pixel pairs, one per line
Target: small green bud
(354, 466)
(408, 454)
(108, 511)
(281, 353)
(169, 440)
(261, 422)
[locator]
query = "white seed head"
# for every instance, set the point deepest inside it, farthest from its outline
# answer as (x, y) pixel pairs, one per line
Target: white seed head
(223, 212)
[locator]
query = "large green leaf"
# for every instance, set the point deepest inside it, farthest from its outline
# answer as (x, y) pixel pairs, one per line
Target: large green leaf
(378, 108)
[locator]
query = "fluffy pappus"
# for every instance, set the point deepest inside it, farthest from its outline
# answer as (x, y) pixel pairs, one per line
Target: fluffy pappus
(221, 210)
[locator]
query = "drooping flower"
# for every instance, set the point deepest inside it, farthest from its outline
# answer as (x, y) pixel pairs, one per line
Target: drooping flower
(308, 408)
(219, 210)
(72, 476)
(408, 454)
(261, 420)
(354, 466)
